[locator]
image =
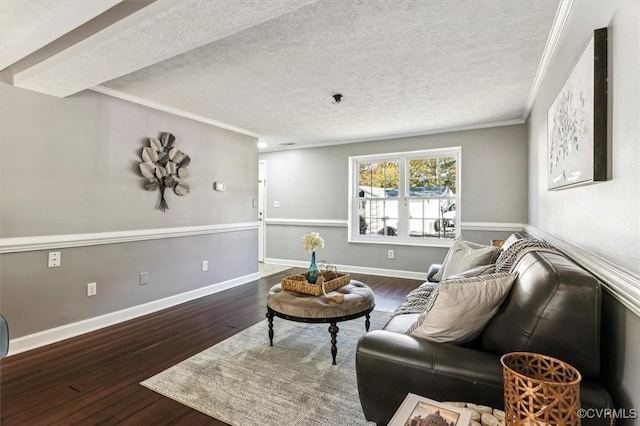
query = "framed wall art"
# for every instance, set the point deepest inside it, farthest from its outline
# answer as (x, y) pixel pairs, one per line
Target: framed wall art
(577, 121)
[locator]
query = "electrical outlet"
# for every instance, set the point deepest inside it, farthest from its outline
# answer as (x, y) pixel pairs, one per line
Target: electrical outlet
(144, 278)
(92, 289)
(205, 265)
(391, 254)
(55, 258)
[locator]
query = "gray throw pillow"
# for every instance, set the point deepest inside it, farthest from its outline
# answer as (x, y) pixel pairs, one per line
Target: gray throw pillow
(464, 255)
(458, 310)
(456, 243)
(475, 272)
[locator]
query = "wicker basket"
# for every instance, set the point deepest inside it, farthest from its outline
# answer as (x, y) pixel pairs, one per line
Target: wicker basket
(299, 283)
(539, 389)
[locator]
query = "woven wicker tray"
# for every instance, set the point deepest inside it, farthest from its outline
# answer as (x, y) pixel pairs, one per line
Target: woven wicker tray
(300, 284)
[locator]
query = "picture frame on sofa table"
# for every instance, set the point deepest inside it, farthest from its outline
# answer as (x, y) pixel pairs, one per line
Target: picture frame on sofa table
(417, 410)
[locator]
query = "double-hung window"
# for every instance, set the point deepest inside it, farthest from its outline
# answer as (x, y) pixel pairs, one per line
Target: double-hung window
(405, 198)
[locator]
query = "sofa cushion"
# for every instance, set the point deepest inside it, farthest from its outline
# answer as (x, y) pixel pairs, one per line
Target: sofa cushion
(464, 255)
(553, 309)
(401, 323)
(458, 309)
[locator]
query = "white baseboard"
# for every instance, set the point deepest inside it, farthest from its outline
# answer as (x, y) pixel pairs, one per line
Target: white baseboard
(67, 331)
(355, 269)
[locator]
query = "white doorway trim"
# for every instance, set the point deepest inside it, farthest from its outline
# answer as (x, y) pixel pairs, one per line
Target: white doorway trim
(262, 211)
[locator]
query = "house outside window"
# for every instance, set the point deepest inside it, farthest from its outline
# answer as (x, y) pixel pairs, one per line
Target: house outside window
(410, 198)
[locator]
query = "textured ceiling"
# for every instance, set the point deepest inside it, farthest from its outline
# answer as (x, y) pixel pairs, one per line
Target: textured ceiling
(271, 68)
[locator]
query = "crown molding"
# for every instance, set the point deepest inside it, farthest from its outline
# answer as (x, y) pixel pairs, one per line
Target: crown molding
(547, 54)
(171, 110)
(479, 126)
(202, 119)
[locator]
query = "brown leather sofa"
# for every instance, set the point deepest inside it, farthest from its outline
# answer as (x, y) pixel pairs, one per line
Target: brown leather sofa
(553, 308)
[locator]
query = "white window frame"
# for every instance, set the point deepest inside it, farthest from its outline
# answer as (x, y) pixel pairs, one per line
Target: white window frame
(403, 237)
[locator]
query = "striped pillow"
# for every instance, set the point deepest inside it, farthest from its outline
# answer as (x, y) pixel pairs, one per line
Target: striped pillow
(416, 301)
(512, 254)
(458, 309)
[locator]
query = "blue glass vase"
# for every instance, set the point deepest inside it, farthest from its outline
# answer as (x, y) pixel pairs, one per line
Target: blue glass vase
(313, 273)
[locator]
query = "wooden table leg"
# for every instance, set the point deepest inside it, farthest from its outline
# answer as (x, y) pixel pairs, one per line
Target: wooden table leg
(333, 329)
(270, 318)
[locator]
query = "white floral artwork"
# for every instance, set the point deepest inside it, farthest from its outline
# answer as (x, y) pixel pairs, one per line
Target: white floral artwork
(570, 126)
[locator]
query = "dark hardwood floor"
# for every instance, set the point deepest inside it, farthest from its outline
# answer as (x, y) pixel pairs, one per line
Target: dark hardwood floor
(94, 379)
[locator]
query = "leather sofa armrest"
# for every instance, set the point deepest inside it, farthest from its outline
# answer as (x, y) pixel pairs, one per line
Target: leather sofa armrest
(389, 365)
(433, 269)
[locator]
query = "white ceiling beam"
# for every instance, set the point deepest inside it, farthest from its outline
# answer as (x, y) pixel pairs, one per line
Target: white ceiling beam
(159, 31)
(48, 76)
(53, 29)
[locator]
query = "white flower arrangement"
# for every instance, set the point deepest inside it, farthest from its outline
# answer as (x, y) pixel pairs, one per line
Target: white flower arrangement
(312, 242)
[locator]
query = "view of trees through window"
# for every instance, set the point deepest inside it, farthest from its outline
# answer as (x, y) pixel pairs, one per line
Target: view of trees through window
(378, 191)
(412, 196)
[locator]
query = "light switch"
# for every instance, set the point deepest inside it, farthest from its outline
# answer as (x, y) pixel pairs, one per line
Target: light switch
(54, 259)
(219, 186)
(276, 204)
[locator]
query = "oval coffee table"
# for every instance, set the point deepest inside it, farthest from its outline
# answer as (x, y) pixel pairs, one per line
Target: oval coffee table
(293, 306)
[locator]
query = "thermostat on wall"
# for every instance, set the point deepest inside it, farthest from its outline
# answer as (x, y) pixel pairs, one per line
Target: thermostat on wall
(219, 186)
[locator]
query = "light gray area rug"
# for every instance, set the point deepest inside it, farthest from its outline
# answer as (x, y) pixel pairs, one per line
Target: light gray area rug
(245, 382)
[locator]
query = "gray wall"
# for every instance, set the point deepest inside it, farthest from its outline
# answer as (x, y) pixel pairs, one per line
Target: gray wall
(36, 298)
(603, 218)
(313, 184)
(69, 166)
